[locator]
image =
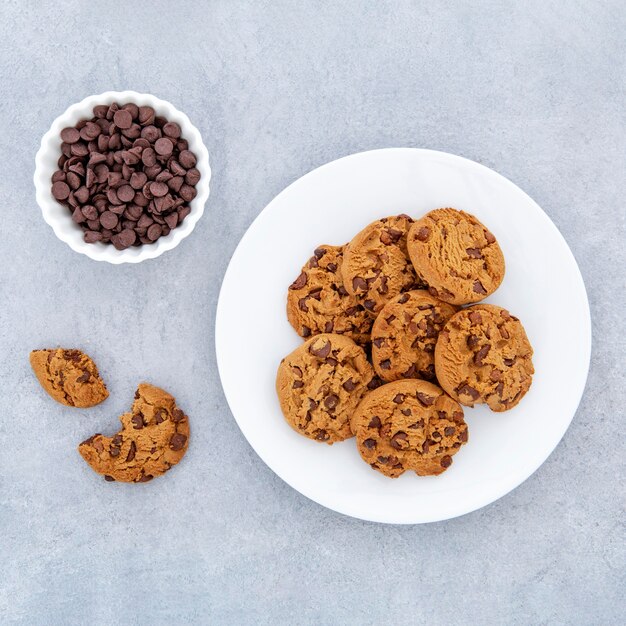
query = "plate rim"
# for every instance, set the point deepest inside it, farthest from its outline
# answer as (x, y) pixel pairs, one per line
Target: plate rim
(585, 311)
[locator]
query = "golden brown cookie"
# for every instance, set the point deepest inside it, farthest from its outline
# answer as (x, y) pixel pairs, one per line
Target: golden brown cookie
(483, 356)
(317, 301)
(153, 438)
(456, 256)
(405, 333)
(319, 385)
(409, 425)
(376, 265)
(69, 376)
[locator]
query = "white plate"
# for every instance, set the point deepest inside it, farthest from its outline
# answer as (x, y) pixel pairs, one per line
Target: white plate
(542, 286)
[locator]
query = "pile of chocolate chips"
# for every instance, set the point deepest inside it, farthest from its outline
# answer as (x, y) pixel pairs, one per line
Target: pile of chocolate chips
(126, 175)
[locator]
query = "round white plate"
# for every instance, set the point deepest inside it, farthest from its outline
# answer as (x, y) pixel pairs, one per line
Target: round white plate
(329, 206)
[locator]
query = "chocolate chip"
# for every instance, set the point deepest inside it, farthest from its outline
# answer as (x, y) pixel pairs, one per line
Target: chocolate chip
(137, 421)
(370, 444)
(399, 441)
(177, 416)
(299, 282)
(358, 283)
(475, 317)
(187, 159)
(131, 452)
(385, 364)
(478, 287)
(495, 375)
(328, 327)
(122, 119)
(109, 479)
(446, 461)
(369, 305)
(474, 253)
(331, 401)
(467, 390)
(423, 233)
(84, 377)
(375, 422)
(297, 384)
(448, 431)
(398, 398)
(509, 362)
(70, 135)
(489, 237)
(60, 190)
(481, 354)
(425, 399)
(164, 146)
(322, 435)
(349, 385)
(154, 232)
(323, 351)
(177, 442)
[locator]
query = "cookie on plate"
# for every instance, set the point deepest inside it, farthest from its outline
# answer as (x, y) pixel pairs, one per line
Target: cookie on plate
(483, 356)
(456, 256)
(405, 333)
(376, 266)
(69, 376)
(409, 425)
(319, 385)
(153, 438)
(317, 301)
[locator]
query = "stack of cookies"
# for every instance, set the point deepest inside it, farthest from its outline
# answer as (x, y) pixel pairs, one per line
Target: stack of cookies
(390, 354)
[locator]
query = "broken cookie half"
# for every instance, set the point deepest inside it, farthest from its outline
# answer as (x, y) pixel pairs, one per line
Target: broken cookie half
(69, 376)
(154, 437)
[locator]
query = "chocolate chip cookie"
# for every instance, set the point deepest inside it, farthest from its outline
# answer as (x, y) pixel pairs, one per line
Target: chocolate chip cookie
(405, 333)
(376, 265)
(456, 255)
(409, 425)
(319, 385)
(69, 376)
(483, 356)
(318, 302)
(153, 438)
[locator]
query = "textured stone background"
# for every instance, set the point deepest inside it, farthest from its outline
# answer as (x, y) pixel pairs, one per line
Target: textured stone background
(534, 89)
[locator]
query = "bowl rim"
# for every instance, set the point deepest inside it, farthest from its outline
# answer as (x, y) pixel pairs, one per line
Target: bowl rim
(63, 228)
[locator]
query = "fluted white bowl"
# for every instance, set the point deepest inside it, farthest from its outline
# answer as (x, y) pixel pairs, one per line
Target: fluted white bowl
(60, 218)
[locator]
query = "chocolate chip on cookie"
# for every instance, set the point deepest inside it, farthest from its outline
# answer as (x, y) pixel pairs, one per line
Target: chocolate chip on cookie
(376, 265)
(320, 384)
(409, 425)
(153, 438)
(405, 333)
(483, 356)
(318, 302)
(69, 376)
(456, 256)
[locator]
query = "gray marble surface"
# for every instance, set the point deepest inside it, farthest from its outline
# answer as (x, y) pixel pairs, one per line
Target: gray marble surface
(533, 89)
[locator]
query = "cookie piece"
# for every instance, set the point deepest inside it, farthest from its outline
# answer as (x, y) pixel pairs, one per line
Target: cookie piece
(409, 425)
(405, 333)
(376, 265)
(483, 356)
(319, 385)
(456, 255)
(69, 376)
(317, 301)
(153, 438)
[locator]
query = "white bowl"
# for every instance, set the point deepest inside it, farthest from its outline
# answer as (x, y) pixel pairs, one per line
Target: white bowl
(60, 218)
